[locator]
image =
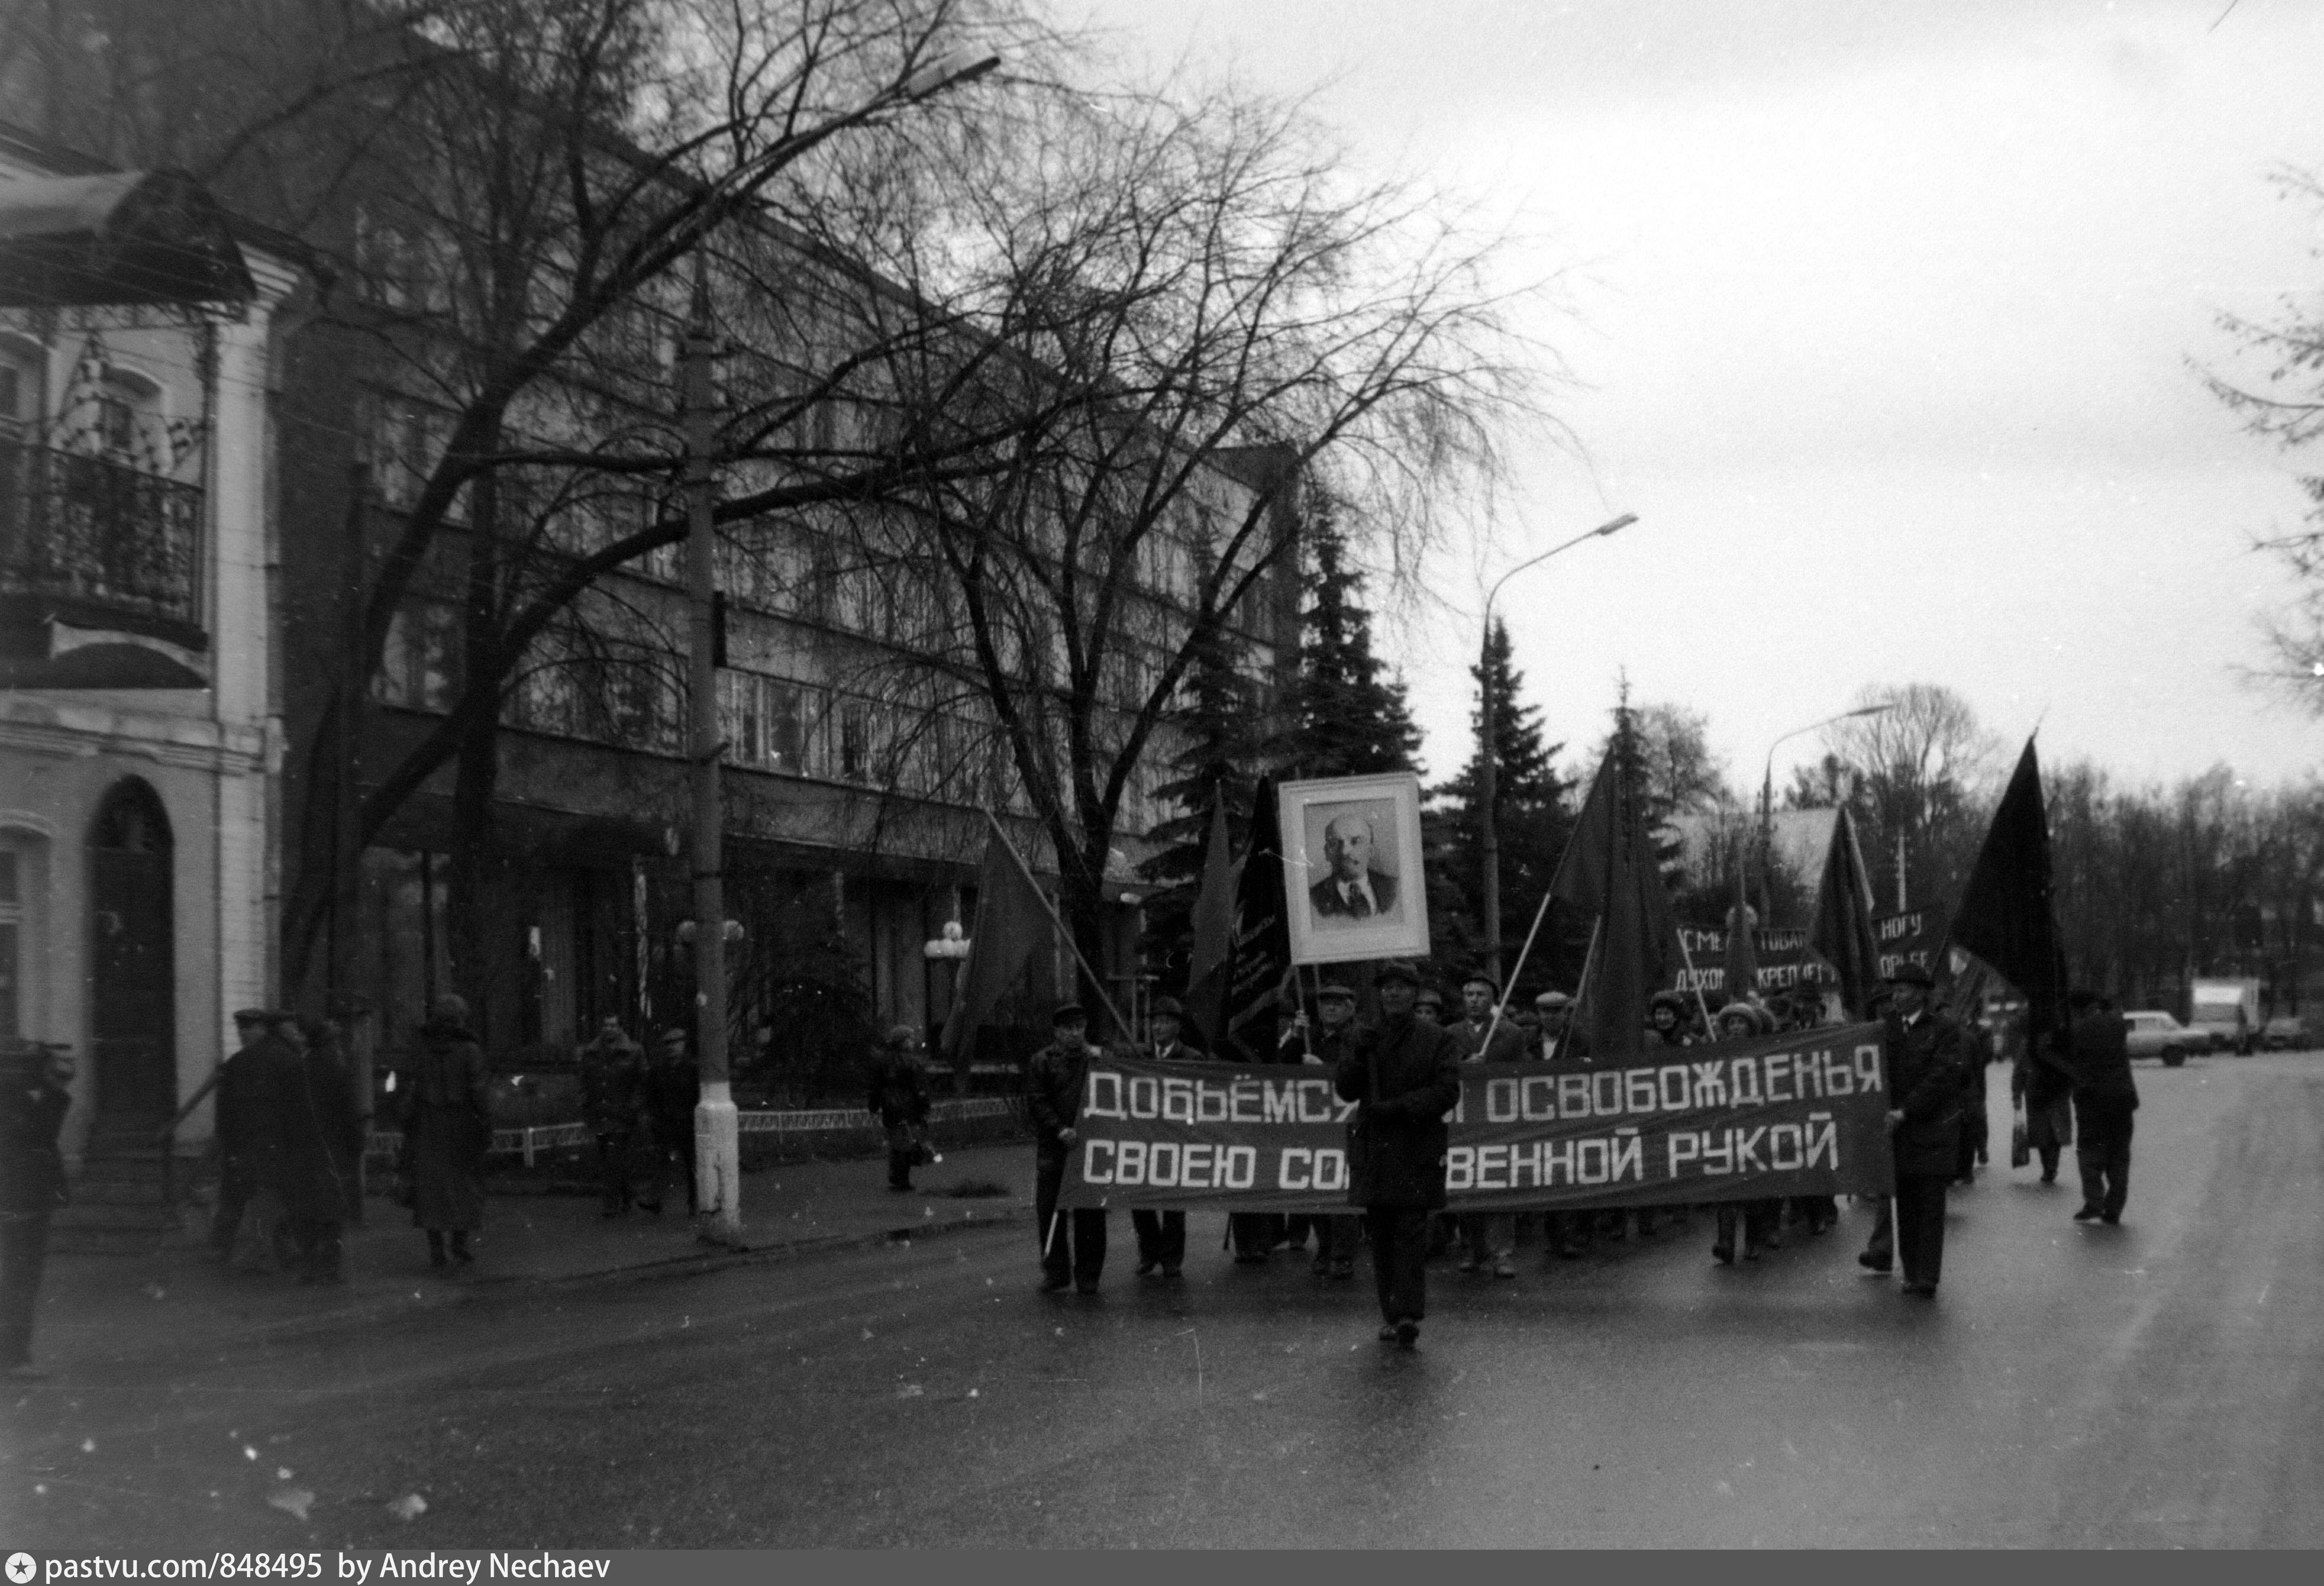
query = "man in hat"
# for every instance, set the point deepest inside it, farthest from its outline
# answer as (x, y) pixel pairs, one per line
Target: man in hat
(895, 1096)
(1486, 1237)
(1926, 1058)
(673, 1088)
(2105, 1099)
(1560, 1041)
(1404, 1079)
(612, 1073)
(1072, 1249)
(1338, 1234)
(1429, 1006)
(239, 1127)
(1162, 1235)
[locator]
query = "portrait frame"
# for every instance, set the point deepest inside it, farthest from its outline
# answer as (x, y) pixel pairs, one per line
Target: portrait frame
(1331, 931)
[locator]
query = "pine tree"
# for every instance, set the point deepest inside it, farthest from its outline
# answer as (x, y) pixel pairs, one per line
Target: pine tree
(1218, 762)
(1531, 815)
(1348, 718)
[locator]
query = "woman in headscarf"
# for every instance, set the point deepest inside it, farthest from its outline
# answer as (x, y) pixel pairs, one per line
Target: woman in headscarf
(446, 1127)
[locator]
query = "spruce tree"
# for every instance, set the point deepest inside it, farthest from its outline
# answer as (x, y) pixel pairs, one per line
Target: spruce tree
(1218, 763)
(1348, 717)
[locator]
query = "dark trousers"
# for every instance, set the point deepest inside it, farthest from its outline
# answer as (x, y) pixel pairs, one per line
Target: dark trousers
(2104, 1153)
(1921, 1225)
(1073, 1246)
(1759, 1218)
(1399, 1259)
(613, 1168)
(232, 1199)
(1161, 1238)
(1255, 1232)
(23, 1253)
(1882, 1245)
(319, 1245)
(673, 1144)
(1336, 1238)
(1568, 1231)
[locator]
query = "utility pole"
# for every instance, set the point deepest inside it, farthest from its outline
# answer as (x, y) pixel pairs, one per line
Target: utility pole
(717, 1151)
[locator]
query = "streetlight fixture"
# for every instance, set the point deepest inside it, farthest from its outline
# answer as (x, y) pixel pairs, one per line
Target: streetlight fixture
(1767, 801)
(718, 1166)
(1489, 770)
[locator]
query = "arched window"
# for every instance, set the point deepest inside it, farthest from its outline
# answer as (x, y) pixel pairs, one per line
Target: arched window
(132, 820)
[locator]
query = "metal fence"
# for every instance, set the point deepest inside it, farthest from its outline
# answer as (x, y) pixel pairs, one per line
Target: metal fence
(530, 1142)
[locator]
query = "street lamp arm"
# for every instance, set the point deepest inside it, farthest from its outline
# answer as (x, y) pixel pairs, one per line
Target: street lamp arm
(1624, 521)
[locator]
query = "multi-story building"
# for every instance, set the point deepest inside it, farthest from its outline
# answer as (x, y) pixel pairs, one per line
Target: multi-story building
(139, 731)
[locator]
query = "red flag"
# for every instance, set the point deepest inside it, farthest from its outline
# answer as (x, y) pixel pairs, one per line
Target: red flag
(1843, 933)
(1011, 922)
(1260, 968)
(1608, 872)
(1742, 955)
(1213, 923)
(2006, 916)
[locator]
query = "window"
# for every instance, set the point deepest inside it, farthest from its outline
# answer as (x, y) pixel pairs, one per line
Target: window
(11, 930)
(129, 425)
(420, 669)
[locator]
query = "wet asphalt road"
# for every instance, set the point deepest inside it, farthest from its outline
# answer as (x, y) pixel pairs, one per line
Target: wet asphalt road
(2153, 1385)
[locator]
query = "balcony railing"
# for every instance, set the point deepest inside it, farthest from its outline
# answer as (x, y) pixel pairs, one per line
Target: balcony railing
(79, 527)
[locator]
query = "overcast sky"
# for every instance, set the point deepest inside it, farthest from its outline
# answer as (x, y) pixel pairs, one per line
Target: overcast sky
(1885, 318)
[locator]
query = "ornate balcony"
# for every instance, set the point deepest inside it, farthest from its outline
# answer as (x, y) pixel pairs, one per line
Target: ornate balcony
(84, 531)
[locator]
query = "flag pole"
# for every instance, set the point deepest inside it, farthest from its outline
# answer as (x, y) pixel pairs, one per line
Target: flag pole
(1541, 911)
(1589, 961)
(1096, 984)
(1695, 981)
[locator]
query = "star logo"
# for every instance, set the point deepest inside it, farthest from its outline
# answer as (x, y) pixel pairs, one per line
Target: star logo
(21, 1567)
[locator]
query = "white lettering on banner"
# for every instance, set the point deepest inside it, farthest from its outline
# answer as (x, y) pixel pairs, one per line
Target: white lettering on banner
(1823, 1140)
(1746, 1149)
(1540, 1091)
(1244, 1106)
(1710, 1085)
(1460, 1113)
(1177, 1101)
(1129, 1162)
(1807, 1072)
(1525, 1165)
(1331, 1169)
(1744, 1068)
(1242, 1166)
(1157, 1153)
(1573, 1095)
(1839, 1078)
(1778, 1070)
(1145, 1097)
(1104, 1095)
(1605, 1093)
(1662, 1078)
(1559, 1155)
(1210, 1103)
(1501, 1101)
(1197, 1164)
(1460, 1168)
(1089, 1171)
(1493, 1167)
(1629, 1156)
(1638, 1090)
(1719, 1152)
(1685, 1146)
(1590, 1159)
(1292, 1166)
(1784, 1146)
(1282, 1103)
(1867, 1068)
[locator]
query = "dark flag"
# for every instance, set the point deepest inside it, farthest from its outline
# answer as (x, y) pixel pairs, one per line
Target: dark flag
(1608, 874)
(1741, 959)
(1012, 921)
(1213, 927)
(1843, 933)
(2006, 916)
(1261, 966)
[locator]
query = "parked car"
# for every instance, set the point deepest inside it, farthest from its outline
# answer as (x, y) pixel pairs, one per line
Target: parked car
(2155, 1034)
(2284, 1033)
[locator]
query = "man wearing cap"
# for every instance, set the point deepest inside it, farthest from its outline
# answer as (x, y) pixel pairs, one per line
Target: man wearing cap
(1926, 1061)
(1337, 1234)
(238, 1127)
(2105, 1101)
(1486, 1237)
(1567, 1233)
(1429, 1006)
(612, 1073)
(1404, 1079)
(1162, 1235)
(673, 1088)
(895, 1096)
(1072, 1249)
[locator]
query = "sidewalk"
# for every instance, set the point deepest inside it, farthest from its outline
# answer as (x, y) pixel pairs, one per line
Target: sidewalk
(100, 1309)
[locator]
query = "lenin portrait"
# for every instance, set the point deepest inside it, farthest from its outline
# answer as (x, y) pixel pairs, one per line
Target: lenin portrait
(1358, 884)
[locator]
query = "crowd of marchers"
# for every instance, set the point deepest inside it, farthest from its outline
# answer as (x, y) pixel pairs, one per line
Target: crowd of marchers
(1402, 1073)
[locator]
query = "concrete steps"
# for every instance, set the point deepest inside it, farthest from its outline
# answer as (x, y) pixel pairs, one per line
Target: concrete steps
(117, 1206)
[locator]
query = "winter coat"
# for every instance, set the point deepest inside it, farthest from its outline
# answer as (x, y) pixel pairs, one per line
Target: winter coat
(894, 1095)
(1508, 1045)
(2101, 1049)
(612, 1084)
(1573, 1046)
(1926, 1062)
(447, 1125)
(1055, 1078)
(322, 1135)
(31, 1168)
(251, 1108)
(672, 1089)
(2044, 1074)
(1405, 1075)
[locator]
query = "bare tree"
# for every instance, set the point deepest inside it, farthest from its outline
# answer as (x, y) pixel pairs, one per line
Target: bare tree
(1922, 772)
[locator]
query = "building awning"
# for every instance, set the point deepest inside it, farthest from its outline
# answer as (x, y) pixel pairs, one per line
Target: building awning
(130, 237)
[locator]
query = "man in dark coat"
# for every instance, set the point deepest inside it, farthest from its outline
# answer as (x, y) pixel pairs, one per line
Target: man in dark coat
(240, 1137)
(613, 1074)
(1567, 1233)
(322, 1141)
(1926, 1058)
(895, 1096)
(35, 1094)
(447, 1127)
(673, 1089)
(1487, 1237)
(1162, 1235)
(1333, 1037)
(2105, 1101)
(1072, 1249)
(2044, 1079)
(1405, 1077)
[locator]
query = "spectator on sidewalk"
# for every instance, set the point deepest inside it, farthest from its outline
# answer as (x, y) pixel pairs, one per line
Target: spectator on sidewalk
(1072, 1249)
(322, 1141)
(673, 1088)
(35, 1094)
(238, 1135)
(447, 1125)
(901, 1103)
(612, 1070)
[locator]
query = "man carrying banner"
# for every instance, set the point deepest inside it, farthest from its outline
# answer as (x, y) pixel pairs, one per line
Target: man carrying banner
(1926, 1061)
(1162, 1235)
(1404, 1077)
(1072, 1249)
(2105, 1098)
(1559, 1038)
(1336, 1235)
(1486, 1237)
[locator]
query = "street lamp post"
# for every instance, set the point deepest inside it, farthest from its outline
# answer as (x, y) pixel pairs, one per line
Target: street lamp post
(1767, 803)
(1488, 762)
(718, 1177)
